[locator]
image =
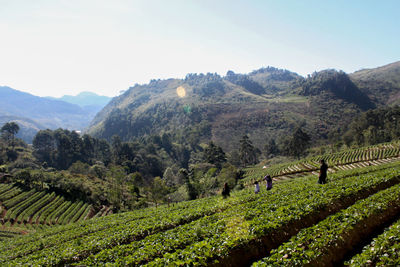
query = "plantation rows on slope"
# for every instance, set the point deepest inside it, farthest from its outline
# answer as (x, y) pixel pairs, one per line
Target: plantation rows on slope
(238, 230)
(23, 210)
(345, 160)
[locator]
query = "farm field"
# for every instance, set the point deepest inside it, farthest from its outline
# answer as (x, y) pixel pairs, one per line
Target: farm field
(345, 160)
(242, 229)
(23, 211)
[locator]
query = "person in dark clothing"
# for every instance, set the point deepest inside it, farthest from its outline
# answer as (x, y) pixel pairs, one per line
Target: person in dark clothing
(268, 179)
(322, 172)
(225, 190)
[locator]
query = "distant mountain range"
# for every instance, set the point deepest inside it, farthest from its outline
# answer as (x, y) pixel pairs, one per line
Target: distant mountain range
(85, 99)
(266, 103)
(33, 113)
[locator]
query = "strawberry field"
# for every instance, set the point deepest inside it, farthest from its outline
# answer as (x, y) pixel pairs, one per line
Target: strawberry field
(23, 211)
(298, 222)
(345, 160)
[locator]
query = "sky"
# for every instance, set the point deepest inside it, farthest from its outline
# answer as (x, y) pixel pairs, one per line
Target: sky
(63, 47)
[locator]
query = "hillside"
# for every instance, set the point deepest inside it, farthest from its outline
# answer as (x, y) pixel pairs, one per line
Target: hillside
(28, 127)
(23, 210)
(381, 84)
(298, 222)
(33, 112)
(265, 104)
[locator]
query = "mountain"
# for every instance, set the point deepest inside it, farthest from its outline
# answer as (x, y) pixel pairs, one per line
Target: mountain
(86, 99)
(339, 85)
(381, 84)
(265, 104)
(34, 113)
(27, 127)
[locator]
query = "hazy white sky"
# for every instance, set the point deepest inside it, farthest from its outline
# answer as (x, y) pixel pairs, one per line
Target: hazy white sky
(57, 47)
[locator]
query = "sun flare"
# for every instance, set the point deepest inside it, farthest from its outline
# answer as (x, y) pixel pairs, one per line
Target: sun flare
(180, 91)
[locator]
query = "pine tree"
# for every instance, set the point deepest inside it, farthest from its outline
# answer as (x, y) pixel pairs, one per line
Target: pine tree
(247, 152)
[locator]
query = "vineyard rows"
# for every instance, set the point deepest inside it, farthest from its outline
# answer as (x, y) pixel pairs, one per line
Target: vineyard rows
(242, 229)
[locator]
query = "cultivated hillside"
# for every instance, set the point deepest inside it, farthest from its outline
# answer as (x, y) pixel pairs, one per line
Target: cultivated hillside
(298, 222)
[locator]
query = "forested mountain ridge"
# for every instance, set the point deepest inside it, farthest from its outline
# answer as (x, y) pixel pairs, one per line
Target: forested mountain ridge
(264, 104)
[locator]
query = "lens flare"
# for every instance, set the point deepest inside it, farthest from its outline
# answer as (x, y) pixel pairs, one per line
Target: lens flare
(180, 91)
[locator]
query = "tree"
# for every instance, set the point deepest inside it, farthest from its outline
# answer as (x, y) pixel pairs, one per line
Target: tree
(102, 151)
(68, 148)
(184, 176)
(170, 178)
(9, 130)
(297, 144)
(247, 152)
(88, 149)
(271, 149)
(116, 146)
(44, 146)
(116, 177)
(215, 155)
(158, 190)
(234, 158)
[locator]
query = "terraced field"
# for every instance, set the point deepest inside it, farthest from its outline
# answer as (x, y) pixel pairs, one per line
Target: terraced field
(22, 211)
(298, 222)
(346, 160)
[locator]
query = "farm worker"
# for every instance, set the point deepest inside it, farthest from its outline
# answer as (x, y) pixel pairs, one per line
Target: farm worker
(322, 172)
(225, 190)
(269, 181)
(256, 187)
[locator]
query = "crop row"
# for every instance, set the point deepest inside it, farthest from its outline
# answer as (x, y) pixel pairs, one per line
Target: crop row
(384, 250)
(328, 241)
(4, 188)
(85, 214)
(264, 226)
(334, 159)
(13, 212)
(40, 207)
(139, 223)
(73, 213)
(14, 191)
(44, 213)
(6, 234)
(18, 198)
(35, 207)
(152, 246)
(64, 218)
(244, 222)
(82, 241)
